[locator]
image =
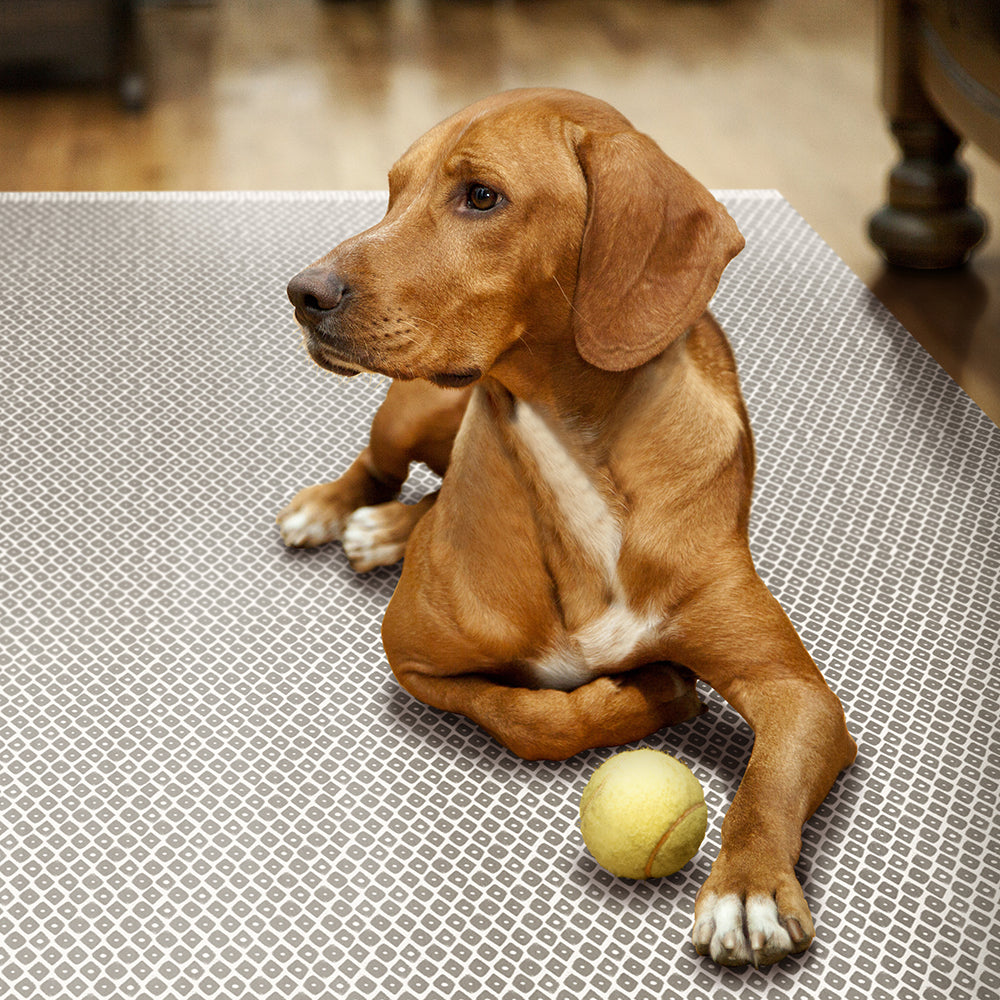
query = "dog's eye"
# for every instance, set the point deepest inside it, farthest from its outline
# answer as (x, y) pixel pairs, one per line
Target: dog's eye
(481, 198)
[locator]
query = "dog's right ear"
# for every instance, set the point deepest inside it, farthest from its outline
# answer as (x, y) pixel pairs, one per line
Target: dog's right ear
(654, 247)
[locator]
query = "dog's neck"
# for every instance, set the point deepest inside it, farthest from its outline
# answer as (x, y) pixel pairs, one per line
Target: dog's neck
(566, 390)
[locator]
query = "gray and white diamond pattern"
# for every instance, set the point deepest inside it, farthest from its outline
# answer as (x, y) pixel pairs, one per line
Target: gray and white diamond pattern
(210, 784)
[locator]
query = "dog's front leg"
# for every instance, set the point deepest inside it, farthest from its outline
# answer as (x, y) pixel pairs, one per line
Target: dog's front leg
(318, 514)
(377, 536)
(416, 422)
(736, 637)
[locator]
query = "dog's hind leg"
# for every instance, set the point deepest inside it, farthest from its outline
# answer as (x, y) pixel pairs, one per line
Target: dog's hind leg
(417, 422)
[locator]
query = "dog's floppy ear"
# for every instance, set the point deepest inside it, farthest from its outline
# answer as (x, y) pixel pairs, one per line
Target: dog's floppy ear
(654, 247)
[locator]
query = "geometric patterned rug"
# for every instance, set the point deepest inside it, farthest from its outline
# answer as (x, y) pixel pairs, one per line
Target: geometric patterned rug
(210, 783)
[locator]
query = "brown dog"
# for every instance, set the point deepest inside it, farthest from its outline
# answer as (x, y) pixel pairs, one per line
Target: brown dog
(591, 532)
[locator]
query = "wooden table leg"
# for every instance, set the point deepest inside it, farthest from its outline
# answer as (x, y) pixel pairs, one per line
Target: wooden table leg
(928, 221)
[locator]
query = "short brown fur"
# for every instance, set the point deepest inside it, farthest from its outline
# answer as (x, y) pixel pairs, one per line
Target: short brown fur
(577, 307)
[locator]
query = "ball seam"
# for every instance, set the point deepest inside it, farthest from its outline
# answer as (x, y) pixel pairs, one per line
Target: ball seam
(666, 836)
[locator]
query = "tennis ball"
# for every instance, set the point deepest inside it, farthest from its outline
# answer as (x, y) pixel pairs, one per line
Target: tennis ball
(643, 814)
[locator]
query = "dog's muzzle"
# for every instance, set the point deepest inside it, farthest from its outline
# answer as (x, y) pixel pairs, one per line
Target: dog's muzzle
(320, 297)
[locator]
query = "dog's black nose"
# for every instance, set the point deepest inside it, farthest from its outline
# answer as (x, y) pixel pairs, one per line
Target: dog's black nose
(317, 291)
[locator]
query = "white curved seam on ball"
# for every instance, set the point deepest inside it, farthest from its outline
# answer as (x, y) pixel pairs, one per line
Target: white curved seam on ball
(666, 836)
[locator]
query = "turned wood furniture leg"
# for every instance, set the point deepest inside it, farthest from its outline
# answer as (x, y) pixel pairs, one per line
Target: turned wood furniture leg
(129, 70)
(928, 222)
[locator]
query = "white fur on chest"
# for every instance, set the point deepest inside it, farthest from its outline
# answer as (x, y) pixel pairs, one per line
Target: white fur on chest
(584, 512)
(611, 636)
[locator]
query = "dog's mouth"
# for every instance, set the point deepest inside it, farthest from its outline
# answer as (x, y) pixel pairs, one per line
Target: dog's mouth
(333, 362)
(327, 355)
(446, 380)
(344, 368)
(330, 357)
(456, 380)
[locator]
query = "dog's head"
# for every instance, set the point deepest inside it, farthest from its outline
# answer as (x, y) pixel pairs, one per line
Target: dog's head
(533, 217)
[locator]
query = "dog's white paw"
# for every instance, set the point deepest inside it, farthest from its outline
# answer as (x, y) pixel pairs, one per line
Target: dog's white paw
(375, 536)
(308, 525)
(735, 932)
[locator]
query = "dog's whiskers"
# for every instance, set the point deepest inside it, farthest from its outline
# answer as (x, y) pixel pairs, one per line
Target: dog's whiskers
(425, 322)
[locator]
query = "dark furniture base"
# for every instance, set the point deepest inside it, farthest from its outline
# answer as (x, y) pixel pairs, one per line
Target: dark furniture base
(60, 41)
(941, 85)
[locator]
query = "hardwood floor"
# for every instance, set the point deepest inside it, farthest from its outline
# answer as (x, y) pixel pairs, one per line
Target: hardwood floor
(301, 94)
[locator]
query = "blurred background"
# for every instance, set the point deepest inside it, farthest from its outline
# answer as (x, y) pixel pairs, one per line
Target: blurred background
(326, 94)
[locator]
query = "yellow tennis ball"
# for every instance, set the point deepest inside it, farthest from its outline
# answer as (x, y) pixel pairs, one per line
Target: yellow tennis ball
(643, 814)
